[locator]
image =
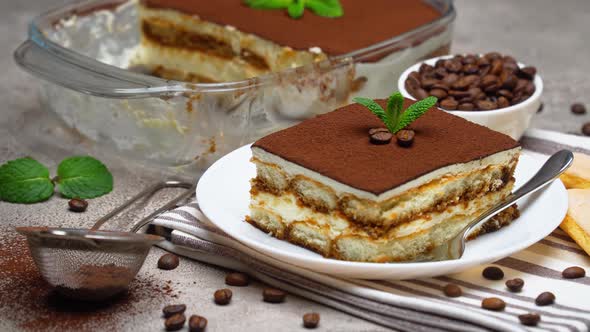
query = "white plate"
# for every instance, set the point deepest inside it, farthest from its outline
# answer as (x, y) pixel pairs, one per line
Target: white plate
(223, 195)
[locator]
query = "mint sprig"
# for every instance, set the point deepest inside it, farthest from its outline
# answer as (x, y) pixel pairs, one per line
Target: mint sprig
(295, 8)
(393, 117)
(25, 180)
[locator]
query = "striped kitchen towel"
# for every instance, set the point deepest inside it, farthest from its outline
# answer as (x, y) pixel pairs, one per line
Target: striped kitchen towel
(416, 305)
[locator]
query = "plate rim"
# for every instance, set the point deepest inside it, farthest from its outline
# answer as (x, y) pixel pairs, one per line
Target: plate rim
(367, 267)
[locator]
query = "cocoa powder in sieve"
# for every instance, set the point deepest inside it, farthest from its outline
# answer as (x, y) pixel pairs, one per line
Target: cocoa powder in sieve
(31, 304)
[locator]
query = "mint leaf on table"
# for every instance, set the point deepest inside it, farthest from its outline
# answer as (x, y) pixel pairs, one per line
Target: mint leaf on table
(25, 180)
(326, 8)
(83, 177)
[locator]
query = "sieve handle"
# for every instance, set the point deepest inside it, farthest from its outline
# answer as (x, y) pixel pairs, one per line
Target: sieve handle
(146, 193)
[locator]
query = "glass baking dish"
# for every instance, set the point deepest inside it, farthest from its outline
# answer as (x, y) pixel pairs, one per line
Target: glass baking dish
(82, 52)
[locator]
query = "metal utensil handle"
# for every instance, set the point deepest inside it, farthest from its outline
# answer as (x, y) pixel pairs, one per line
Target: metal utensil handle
(553, 167)
(144, 193)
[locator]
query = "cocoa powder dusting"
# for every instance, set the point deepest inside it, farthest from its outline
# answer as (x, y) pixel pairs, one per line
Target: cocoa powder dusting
(34, 305)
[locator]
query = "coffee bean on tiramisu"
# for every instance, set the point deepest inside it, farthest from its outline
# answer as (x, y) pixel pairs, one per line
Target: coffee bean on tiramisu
(573, 272)
(493, 273)
(173, 309)
(545, 298)
(578, 108)
(515, 285)
(311, 320)
(197, 323)
(168, 262)
(222, 296)
(405, 137)
(237, 279)
(273, 295)
(493, 303)
(586, 129)
(77, 205)
(452, 290)
(175, 322)
(381, 137)
(530, 319)
(378, 130)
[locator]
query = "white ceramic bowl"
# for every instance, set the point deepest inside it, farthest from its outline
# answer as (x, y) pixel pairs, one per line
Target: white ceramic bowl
(512, 120)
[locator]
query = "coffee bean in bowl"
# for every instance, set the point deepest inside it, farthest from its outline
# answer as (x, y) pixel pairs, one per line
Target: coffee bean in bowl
(489, 81)
(492, 89)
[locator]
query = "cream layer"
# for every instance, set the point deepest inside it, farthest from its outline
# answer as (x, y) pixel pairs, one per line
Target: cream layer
(333, 236)
(291, 170)
(288, 208)
(277, 57)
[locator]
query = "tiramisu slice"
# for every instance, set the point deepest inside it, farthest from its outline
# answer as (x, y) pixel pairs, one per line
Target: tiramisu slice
(323, 185)
(226, 40)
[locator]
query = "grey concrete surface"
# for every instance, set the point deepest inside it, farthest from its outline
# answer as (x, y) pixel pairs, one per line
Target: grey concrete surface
(549, 34)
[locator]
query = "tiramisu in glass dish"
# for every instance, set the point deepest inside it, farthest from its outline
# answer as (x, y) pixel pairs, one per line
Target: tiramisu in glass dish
(181, 83)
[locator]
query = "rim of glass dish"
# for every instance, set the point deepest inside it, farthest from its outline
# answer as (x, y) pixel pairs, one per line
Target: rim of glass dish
(50, 18)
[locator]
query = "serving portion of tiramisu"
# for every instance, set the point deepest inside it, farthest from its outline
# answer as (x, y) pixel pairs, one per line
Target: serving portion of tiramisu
(325, 185)
(227, 40)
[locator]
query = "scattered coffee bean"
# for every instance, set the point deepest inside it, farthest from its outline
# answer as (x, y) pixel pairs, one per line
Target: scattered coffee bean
(173, 309)
(452, 290)
(378, 130)
(578, 108)
(168, 262)
(77, 205)
(405, 137)
(515, 285)
(273, 295)
(222, 296)
(493, 303)
(474, 82)
(540, 109)
(311, 320)
(545, 298)
(531, 319)
(175, 323)
(493, 273)
(197, 323)
(237, 279)
(380, 138)
(573, 272)
(586, 129)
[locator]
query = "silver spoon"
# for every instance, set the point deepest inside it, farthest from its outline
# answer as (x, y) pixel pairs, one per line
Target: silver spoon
(553, 167)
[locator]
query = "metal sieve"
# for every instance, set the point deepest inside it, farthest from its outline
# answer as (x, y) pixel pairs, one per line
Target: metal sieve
(93, 265)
